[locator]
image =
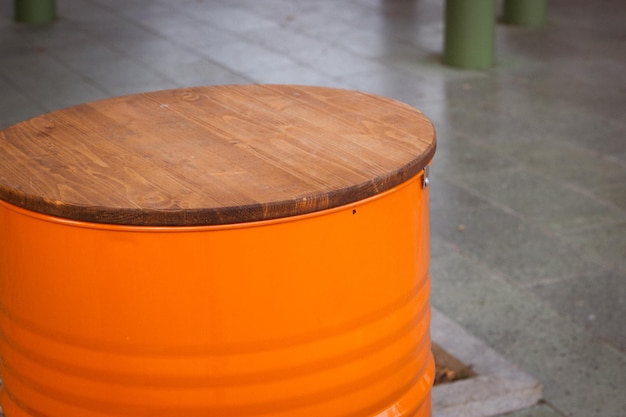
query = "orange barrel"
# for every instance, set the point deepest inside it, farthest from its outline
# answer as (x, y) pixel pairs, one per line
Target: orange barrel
(251, 250)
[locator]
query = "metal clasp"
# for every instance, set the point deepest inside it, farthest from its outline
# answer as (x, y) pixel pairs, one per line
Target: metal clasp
(425, 179)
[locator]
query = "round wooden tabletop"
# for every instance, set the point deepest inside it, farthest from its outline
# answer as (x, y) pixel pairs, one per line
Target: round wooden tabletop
(212, 155)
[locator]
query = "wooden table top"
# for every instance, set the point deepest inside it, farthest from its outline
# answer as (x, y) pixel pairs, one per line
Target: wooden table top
(212, 155)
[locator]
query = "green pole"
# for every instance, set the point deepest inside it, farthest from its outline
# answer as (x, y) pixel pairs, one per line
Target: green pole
(35, 11)
(525, 12)
(470, 28)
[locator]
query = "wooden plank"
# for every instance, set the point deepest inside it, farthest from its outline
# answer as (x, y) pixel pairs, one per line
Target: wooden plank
(212, 155)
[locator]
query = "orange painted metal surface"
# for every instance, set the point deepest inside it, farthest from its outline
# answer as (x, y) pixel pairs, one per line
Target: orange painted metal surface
(324, 314)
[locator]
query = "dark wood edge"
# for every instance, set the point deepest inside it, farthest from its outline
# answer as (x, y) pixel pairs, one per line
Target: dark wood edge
(223, 215)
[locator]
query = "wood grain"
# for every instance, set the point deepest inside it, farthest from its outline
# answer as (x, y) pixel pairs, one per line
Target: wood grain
(212, 155)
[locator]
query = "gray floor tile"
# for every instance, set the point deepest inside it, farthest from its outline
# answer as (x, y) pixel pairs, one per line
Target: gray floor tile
(446, 197)
(294, 74)
(230, 19)
(612, 194)
(320, 55)
(530, 333)
(520, 252)
(199, 72)
(110, 70)
(53, 88)
(338, 62)
(281, 11)
(541, 410)
(193, 34)
(323, 53)
(13, 42)
(15, 106)
(541, 200)
(80, 10)
(467, 116)
(398, 20)
(412, 13)
(363, 42)
(596, 302)
(531, 113)
(243, 57)
(319, 16)
(606, 244)
(567, 161)
(585, 58)
(458, 156)
(63, 33)
(160, 18)
(393, 84)
(512, 124)
(439, 247)
(104, 23)
(288, 41)
(157, 53)
(609, 14)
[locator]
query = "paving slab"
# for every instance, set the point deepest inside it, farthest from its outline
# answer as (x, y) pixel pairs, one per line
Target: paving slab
(499, 386)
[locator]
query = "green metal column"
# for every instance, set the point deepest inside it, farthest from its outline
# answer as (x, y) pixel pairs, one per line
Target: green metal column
(470, 27)
(35, 11)
(525, 12)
